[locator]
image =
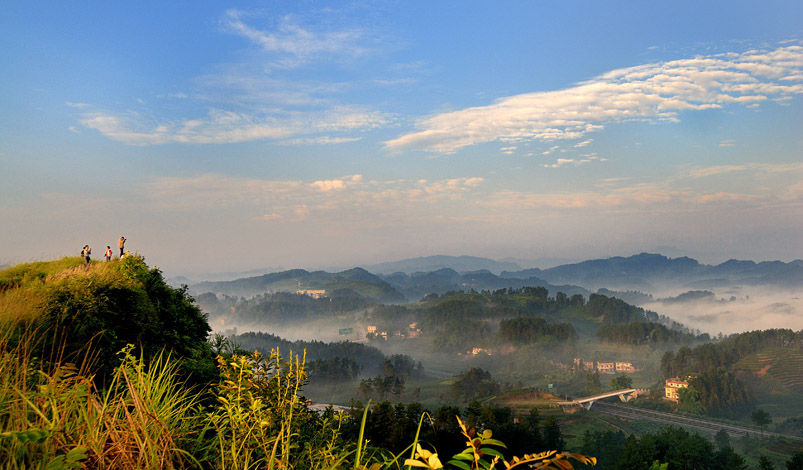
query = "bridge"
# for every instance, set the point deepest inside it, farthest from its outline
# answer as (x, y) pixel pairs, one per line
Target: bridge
(624, 395)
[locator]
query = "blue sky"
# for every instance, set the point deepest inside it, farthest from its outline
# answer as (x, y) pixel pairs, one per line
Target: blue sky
(228, 136)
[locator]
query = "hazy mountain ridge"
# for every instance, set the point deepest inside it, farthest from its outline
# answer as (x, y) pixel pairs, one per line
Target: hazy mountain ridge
(356, 279)
(438, 262)
(645, 270)
(417, 285)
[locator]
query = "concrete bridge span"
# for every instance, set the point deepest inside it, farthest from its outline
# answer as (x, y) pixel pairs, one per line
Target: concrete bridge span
(624, 395)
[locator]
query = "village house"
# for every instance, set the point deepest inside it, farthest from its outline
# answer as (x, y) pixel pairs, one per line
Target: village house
(625, 367)
(606, 367)
(672, 388)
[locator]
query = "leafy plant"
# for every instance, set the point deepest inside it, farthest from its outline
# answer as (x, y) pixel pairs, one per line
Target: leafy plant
(480, 454)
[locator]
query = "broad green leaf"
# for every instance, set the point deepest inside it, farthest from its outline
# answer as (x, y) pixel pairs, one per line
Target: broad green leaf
(459, 464)
(494, 442)
(493, 452)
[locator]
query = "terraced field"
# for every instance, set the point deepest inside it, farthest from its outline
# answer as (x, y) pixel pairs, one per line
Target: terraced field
(780, 369)
(775, 377)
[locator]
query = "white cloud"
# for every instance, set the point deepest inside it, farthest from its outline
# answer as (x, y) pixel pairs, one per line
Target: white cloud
(294, 43)
(289, 201)
(651, 92)
(330, 185)
(261, 96)
(773, 185)
(755, 168)
(325, 140)
(560, 162)
(220, 126)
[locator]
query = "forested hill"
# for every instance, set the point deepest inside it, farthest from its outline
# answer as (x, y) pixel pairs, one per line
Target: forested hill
(95, 310)
(645, 271)
(415, 286)
(357, 280)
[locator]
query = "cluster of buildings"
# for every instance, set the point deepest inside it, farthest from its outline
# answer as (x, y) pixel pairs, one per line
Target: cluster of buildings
(314, 293)
(604, 367)
(412, 332)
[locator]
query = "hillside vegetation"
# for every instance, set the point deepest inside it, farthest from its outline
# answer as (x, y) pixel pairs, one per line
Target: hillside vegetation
(104, 366)
(102, 307)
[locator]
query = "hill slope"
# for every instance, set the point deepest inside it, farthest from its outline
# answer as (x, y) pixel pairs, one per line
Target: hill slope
(357, 279)
(100, 308)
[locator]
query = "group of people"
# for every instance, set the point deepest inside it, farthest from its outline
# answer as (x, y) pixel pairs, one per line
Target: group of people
(86, 252)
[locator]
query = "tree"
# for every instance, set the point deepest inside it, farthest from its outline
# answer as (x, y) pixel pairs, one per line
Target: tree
(689, 399)
(621, 382)
(796, 462)
(727, 459)
(761, 419)
(475, 383)
(593, 385)
(765, 464)
(722, 439)
(553, 439)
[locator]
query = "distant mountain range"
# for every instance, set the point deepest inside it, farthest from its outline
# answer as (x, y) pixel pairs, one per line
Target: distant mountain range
(412, 279)
(646, 271)
(417, 285)
(434, 263)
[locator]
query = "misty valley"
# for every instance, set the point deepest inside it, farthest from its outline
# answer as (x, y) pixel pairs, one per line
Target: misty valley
(533, 338)
(104, 362)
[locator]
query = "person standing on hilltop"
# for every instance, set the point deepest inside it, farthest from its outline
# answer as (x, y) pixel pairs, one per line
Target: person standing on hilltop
(85, 253)
(122, 245)
(108, 253)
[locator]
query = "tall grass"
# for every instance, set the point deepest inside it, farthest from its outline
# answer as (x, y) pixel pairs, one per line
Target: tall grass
(58, 418)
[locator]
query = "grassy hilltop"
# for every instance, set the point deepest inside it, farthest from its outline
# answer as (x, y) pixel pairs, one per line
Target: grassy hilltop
(101, 307)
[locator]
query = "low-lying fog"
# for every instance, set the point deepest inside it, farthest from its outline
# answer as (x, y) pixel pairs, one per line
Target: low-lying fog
(320, 330)
(730, 310)
(735, 310)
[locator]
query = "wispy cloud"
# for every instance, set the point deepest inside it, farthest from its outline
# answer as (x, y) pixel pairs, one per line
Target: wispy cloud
(296, 44)
(220, 126)
(325, 140)
(261, 97)
(772, 185)
(755, 168)
(651, 92)
(283, 201)
(560, 162)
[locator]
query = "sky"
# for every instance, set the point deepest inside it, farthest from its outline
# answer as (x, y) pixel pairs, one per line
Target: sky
(235, 136)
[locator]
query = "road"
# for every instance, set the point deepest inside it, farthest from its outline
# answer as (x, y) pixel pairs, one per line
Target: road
(711, 427)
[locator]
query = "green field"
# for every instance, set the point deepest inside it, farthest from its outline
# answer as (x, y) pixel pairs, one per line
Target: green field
(776, 378)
